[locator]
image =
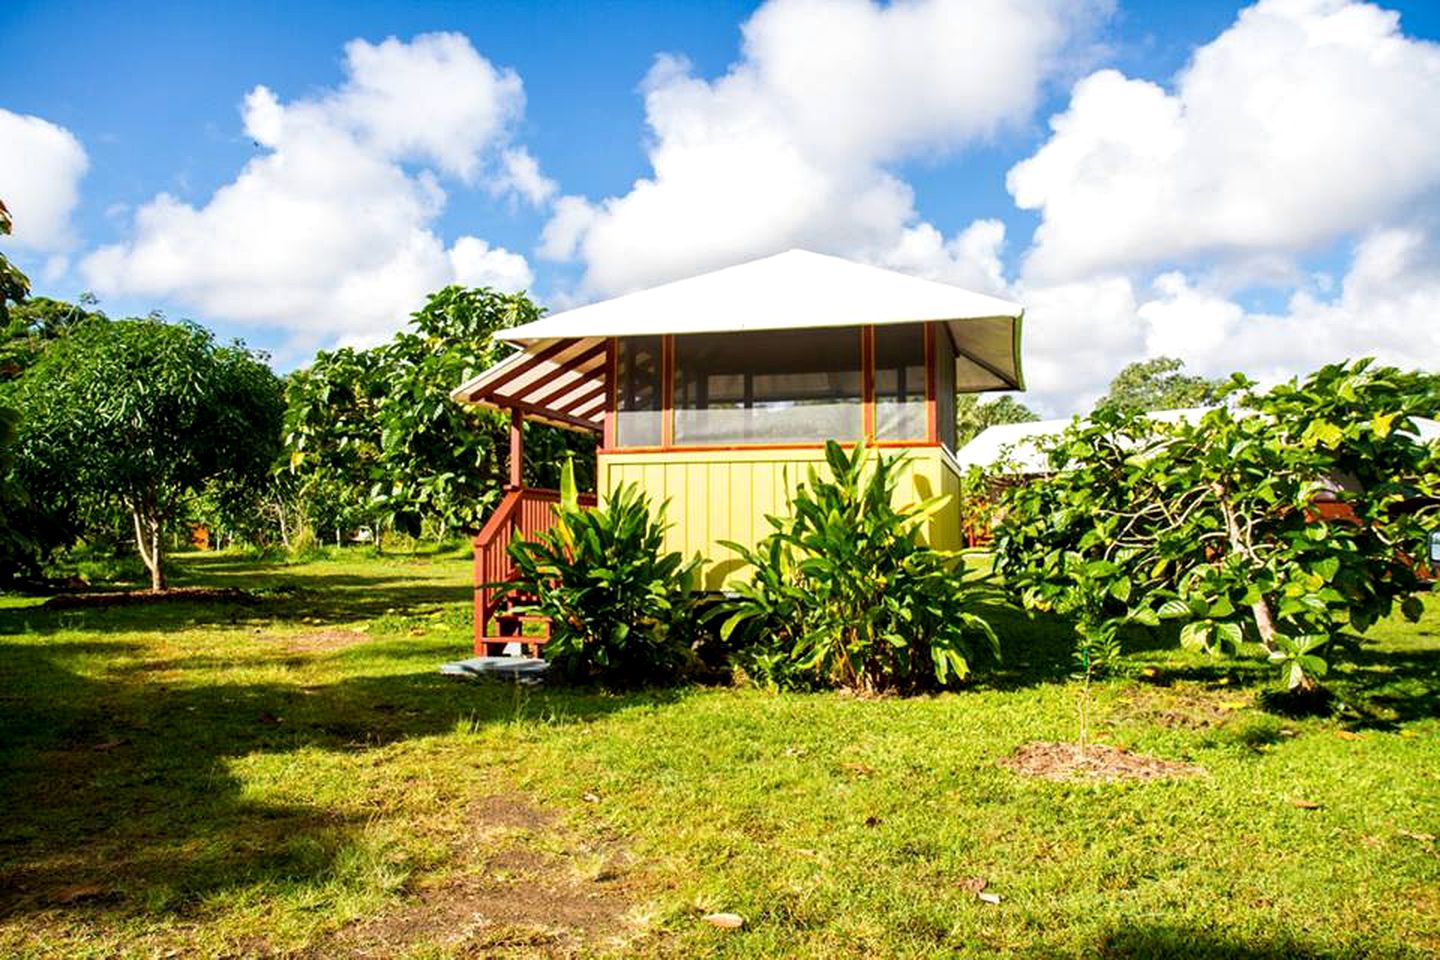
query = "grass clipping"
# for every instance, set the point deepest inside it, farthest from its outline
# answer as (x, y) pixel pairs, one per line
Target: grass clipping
(1097, 762)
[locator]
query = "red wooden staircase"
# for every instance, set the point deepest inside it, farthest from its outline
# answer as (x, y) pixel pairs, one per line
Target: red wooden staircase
(524, 512)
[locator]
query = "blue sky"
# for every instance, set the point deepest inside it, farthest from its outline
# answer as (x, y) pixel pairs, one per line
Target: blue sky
(154, 98)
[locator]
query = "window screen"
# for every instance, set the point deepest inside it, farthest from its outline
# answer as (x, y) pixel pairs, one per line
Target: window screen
(774, 386)
(900, 410)
(637, 403)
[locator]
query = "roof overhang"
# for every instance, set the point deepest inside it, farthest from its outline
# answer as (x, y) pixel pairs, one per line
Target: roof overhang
(559, 374)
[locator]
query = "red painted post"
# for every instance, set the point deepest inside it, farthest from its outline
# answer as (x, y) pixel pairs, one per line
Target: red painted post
(517, 449)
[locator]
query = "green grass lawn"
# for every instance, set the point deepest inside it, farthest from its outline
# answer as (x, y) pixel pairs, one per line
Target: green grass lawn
(293, 778)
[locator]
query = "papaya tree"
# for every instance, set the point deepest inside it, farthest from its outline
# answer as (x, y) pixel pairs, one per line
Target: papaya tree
(140, 414)
(1290, 517)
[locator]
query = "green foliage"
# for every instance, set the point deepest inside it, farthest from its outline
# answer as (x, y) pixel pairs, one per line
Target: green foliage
(842, 594)
(973, 416)
(1215, 527)
(621, 608)
(376, 439)
(35, 324)
(1158, 384)
(14, 285)
(137, 415)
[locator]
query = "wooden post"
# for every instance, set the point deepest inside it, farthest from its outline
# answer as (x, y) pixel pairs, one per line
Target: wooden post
(517, 449)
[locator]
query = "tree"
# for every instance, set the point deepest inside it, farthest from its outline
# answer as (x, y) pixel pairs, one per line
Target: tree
(33, 325)
(973, 415)
(1158, 384)
(14, 285)
(1218, 525)
(375, 434)
(142, 413)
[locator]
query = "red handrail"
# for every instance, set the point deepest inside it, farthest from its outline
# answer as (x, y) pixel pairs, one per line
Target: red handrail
(524, 511)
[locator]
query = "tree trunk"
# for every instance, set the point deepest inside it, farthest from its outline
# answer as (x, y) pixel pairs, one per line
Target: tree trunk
(1260, 609)
(147, 540)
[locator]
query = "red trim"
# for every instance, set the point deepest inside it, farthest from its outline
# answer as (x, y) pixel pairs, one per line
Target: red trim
(932, 415)
(517, 449)
(667, 390)
(611, 373)
(731, 447)
(867, 383)
(572, 365)
(520, 369)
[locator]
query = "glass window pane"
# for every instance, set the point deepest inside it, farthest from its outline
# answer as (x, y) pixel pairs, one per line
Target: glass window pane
(900, 411)
(772, 386)
(637, 402)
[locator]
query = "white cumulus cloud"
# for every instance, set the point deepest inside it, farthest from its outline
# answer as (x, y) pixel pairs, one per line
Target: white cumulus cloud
(329, 232)
(791, 146)
(41, 165)
(1304, 121)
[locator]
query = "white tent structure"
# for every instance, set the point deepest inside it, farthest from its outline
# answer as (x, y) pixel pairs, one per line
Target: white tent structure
(1022, 446)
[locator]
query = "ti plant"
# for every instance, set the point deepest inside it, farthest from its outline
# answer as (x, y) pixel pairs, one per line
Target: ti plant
(621, 608)
(843, 594)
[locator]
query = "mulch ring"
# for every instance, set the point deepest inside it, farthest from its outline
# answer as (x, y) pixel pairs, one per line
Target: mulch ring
(128, 598)
(1098, 762)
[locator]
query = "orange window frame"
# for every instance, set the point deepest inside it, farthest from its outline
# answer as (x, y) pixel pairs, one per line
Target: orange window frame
(667, 403)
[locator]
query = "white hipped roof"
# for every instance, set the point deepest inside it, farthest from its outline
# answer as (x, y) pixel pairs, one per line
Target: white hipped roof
(1024, 445)
(793, 290)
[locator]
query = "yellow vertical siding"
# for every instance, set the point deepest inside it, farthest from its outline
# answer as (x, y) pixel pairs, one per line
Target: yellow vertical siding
(725, 495)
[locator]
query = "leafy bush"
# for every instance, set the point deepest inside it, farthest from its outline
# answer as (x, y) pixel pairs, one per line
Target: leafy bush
(1215, 525)
(842, 593)
(620, 609)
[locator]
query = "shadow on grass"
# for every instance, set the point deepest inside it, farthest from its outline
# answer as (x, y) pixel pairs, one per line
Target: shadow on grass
(320, 599)
(1038, 648)
(123, 789)
(1162, 942)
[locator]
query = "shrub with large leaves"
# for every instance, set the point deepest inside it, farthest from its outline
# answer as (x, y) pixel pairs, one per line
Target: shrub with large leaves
(1220, 525)
(621, 609)
(844, 594)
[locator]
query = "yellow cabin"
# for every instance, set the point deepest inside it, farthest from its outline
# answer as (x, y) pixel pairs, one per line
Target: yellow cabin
(718, 392)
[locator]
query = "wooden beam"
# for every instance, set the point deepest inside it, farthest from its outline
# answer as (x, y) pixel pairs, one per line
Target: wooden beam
(517, 448)
(571, 366)
(522, 368)
(867, 382)
(932, 415)
(611, 391)
(667, 390)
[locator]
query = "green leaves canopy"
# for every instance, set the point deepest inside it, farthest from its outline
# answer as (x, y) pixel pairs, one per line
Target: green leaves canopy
(374, 433)
(140, 413)
(1217, 525)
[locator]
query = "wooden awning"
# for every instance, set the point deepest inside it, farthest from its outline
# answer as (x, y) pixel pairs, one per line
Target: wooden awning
(559, 381)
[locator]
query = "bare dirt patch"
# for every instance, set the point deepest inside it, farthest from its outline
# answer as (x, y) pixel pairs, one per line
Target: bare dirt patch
(514, 892)
(1097, 762)
(127, 598)
(319, 641)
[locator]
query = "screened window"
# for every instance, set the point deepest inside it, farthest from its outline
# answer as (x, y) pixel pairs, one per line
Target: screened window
(774, 386)
(638, 392)
(900, 408)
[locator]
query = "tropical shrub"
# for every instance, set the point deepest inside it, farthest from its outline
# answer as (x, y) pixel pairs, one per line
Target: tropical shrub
(1217, 525)
(621, 609)
(843, 594)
